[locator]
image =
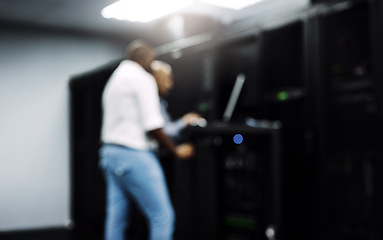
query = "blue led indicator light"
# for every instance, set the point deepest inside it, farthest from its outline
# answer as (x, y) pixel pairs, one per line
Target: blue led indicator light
(238, 139)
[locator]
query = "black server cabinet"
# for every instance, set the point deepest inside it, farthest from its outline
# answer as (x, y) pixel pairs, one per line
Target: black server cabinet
(236, 183)
(288, 97)
(275, 63)
(87, 183)
(349, 140)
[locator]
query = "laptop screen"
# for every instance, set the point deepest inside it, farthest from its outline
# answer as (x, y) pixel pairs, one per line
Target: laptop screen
(235, 93)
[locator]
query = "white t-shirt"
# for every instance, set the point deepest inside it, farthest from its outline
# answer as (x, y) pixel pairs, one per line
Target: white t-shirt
(131, 107)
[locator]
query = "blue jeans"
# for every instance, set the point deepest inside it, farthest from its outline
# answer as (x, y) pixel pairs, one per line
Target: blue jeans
(135, 175)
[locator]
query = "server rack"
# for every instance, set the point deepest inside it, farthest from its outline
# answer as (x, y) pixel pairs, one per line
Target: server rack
(236, 183)
(87, 183)
(278, 89)
(288, 96)
(349, 131)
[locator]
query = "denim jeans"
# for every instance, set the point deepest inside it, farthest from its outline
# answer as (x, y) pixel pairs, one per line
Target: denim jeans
(135, 175)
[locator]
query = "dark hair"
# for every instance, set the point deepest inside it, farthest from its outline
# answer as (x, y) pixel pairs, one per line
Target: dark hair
(138, 50)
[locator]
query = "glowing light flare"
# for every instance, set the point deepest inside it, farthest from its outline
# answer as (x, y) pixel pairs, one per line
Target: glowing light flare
(238, 138)
(176, 25)
(143, 10)
(283, 96)
(236, 5)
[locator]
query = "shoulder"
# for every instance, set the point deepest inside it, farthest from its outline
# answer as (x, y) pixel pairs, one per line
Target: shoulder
(134, 70)
(129, 65)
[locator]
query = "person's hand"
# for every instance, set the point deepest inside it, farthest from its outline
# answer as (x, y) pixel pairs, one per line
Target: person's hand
(192, 119)
(184, 151)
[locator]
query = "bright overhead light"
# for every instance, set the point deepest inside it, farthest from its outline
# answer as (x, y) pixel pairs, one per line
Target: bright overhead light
(143, 10)
(232, 4)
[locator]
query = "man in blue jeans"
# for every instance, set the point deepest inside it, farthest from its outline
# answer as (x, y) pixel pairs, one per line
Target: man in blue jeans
(132, 127)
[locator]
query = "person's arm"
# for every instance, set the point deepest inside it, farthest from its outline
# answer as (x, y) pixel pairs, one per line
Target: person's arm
(171, 128)
(182, 151)
(174, 128)
(192, 119)
(152, 119)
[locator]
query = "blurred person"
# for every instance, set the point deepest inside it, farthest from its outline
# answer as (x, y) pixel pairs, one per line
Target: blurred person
(163, 75)
(132, 125)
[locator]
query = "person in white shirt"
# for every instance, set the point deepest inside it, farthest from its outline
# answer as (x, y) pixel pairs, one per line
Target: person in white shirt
(131, 126)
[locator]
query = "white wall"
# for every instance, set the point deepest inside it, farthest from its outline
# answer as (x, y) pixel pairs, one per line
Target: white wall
(35, 68)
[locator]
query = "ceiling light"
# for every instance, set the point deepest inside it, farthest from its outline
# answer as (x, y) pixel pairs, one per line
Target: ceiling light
(232, 4)
(176, 26)
(143, 10)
